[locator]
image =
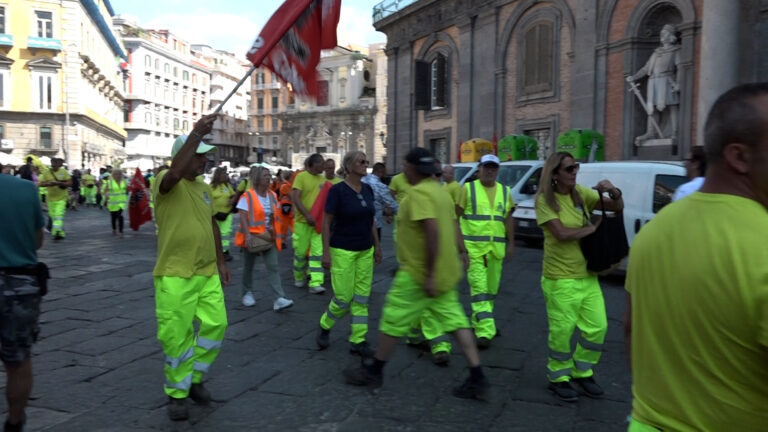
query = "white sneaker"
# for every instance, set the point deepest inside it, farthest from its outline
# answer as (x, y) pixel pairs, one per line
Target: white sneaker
(298, 284)
(248, 299)
(316, 290)
(282, 303)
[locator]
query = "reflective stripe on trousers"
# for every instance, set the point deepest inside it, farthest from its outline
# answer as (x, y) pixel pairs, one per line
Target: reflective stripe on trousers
(484, 276)
(225, 228)
(574, 303)
(178, 303)
(56, 211)
(351, 276)
(306, 239)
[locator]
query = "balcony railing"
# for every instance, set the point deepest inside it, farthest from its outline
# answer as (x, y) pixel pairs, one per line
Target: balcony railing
(6, 39)
(267, 86)
(388, 7)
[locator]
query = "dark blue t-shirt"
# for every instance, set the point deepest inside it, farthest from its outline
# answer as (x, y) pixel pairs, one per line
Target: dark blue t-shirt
(20, 217)
(352, 217)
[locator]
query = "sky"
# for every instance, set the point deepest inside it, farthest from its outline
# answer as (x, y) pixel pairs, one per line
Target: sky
(232, 25)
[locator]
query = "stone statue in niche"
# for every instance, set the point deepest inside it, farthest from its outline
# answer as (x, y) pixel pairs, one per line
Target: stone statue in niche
(662, 99)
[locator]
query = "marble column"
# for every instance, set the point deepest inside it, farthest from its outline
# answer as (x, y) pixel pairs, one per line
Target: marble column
(718, 68)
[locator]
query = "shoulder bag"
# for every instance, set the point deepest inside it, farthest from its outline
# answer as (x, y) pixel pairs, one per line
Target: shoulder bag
(607, 246)
(257, 243)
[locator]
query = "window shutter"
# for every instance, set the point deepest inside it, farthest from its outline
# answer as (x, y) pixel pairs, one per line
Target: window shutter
(442, 81)
(545, 57)
(529, 58)
(421, 85)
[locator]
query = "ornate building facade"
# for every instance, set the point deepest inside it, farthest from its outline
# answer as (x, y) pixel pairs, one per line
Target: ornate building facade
(459, 70)
(61, 81)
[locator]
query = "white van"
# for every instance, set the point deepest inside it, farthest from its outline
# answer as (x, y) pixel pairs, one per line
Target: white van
(646, 188)
(522, 177)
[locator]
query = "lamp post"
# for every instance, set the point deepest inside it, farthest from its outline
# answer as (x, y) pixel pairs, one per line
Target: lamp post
(65, 129)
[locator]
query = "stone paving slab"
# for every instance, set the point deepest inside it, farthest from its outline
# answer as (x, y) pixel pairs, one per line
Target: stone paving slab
(98, 365)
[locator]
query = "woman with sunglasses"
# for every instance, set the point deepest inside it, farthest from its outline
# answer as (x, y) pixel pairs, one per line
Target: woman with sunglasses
(350, 248)
(573, 295)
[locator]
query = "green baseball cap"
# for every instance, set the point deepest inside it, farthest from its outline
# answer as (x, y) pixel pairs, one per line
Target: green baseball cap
(202, 148)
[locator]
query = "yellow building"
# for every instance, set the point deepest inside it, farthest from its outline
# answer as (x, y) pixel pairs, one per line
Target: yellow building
(60, 60)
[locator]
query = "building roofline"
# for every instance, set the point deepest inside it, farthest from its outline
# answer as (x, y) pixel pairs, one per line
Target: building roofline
(92, 9)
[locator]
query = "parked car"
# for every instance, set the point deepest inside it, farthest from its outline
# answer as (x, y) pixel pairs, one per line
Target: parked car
(646, 188)
(522, 177)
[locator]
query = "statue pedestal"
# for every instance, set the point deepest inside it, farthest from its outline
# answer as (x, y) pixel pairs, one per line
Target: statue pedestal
(657, 149)
(658, 142)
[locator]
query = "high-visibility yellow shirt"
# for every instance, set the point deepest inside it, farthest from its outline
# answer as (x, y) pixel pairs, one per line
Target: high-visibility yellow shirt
(399, 184)
(698, 279)
(88, 179)
(310, 186)
(564, 260)
(185, 245)
(454, 190)
(221, 195)
(55, 193)
(335, 180)
(428, 200)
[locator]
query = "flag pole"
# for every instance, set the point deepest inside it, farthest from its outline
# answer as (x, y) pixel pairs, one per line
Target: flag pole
(229, 96)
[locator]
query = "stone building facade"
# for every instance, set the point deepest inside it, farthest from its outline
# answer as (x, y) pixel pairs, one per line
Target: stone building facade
(459, 70)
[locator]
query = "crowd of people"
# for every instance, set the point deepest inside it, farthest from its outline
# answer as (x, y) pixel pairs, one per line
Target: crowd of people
(697, 305)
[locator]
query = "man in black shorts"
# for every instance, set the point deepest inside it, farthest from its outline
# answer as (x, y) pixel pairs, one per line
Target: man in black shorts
(21, 234)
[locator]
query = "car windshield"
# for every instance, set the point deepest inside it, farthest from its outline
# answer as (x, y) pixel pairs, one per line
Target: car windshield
(460, 171)
(511, 174)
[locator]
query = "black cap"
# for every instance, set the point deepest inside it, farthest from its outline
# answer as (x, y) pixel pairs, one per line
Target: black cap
(423, 160)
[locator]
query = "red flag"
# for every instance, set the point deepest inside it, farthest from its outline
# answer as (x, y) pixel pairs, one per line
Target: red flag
(291, 41)
(139, 212)
(495, 143)
(319, 207)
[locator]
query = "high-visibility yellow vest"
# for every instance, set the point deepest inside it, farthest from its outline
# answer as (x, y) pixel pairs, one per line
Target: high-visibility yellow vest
(117, 195)
(483, 222)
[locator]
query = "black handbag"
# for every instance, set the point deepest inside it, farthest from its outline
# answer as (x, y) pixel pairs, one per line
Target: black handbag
(608, 245)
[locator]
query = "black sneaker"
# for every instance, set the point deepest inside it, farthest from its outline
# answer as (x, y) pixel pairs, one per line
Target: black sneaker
(473, 389)
(483, 343)
(361, 377)
(564, 391)
(323, 338)
(441, 358)
(227, 256)
(589, 387)
(177, 409)
(199, 394)
(17, 427)
(362, 349)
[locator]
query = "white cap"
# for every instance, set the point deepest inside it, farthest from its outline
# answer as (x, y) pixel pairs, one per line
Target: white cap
(178, 143)
(489, 159)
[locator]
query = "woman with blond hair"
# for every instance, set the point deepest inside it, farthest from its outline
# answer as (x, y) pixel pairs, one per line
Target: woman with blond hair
(350, 248)
(260, 217)
(223, 196)
(572, 293)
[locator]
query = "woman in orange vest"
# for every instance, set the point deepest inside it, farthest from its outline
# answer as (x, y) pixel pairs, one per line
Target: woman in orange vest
(286, 206)
(260, 215)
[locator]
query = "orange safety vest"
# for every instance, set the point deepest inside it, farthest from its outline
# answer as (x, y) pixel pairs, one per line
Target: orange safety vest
(257, 221)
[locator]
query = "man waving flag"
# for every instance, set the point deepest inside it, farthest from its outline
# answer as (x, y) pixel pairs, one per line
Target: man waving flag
(292, 39)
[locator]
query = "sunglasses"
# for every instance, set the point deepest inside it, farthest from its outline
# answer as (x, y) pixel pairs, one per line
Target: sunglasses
(363, 162)
(362, 200)
(570, 169)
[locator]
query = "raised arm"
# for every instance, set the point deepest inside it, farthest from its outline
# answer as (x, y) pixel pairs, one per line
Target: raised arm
(184, 163)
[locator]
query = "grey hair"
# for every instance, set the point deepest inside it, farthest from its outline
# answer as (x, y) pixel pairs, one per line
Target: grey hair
(349, 158)
(255, 175)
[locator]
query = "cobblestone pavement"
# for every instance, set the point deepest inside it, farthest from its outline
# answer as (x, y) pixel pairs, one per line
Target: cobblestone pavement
(98, 365)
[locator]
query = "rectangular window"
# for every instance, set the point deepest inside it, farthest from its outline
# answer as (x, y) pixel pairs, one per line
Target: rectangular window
(437, 82)
(275, 126)
(44, 24)
(2, 131)
(45, 91)
(274, 103)
(322, 93)
(274, 141)
(3, 82)
(2, 19)
(261, 141)
(260, 123)
(45, 137)
(538, 52)
(260, 103)
(664, 189)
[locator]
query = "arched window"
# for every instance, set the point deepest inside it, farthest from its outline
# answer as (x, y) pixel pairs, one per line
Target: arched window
(186, 75)
(157, 64)
(175, 72)
(432, 81)
(438, 82)
(147, 61)
(194, 79)
(538, 58)
(167, 68)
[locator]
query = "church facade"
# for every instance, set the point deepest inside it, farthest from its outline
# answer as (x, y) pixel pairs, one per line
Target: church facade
(474, 69)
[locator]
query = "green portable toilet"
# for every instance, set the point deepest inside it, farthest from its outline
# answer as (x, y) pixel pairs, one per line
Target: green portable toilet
(517, 147)
(579, 143)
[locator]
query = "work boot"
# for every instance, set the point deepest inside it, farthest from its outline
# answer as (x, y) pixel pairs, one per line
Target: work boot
(441, 358)
(323, 338)
(199, 394)
(362, 377)
(473, 389)
(227, 256)
(589, 387)
(564, 391)
(362, 349)
(14, 427)
(177, 409)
